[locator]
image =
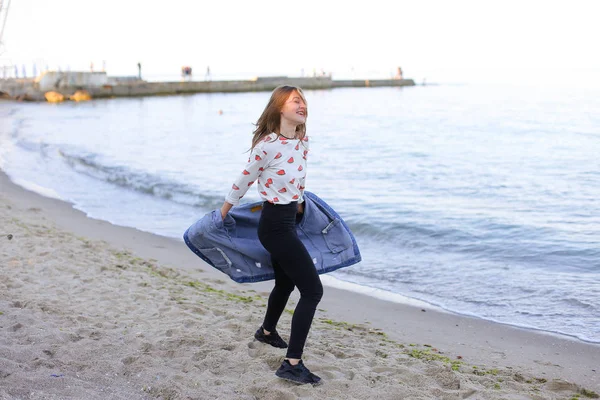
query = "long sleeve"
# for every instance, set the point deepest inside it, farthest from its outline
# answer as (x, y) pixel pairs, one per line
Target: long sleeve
(256, 164)
(303, 179)
(301, 187)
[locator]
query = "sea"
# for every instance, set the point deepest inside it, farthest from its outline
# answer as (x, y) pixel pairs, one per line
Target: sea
(482, 200)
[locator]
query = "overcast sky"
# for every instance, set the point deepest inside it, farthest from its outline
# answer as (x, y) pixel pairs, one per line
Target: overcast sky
(446, 41)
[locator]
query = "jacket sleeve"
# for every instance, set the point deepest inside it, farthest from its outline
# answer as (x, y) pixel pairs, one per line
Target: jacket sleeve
(258, 161)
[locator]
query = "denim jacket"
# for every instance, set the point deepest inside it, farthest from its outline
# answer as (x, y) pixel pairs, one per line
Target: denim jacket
(231, 245)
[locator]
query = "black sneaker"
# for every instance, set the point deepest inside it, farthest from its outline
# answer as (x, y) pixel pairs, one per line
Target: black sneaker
(297, 373)
(273, 338)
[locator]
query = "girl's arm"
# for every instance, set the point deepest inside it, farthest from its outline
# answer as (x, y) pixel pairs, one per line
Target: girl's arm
(258, 161)
(225, 209)
(303, 182)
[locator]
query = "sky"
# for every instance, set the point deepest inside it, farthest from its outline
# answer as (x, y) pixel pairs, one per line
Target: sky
(438, 41)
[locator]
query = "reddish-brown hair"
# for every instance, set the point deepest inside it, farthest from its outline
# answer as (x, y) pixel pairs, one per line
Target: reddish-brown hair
(270, 119)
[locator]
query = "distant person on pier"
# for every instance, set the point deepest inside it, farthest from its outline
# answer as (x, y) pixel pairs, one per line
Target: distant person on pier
(399, 74)
(186, 73)
(139, 65)
(207, 75)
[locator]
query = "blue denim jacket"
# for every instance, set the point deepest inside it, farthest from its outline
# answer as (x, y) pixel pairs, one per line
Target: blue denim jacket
(231, 245)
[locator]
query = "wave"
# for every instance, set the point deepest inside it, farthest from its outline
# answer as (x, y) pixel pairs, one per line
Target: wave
(590, 308)
(411, 234)
(474, 240)
(140, 181)
(514, 245)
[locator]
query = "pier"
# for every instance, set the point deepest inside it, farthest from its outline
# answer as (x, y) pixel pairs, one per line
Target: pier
(100, 85)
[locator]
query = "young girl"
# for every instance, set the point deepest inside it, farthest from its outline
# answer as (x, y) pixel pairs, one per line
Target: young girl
(278, 165)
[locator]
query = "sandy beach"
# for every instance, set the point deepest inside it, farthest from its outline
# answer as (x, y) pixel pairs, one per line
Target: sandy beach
(89, 310)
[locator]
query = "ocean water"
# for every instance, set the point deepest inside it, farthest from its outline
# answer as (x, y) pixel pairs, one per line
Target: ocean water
(482, 200)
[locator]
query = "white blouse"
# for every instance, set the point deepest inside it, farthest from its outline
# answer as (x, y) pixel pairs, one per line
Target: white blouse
(278, 165)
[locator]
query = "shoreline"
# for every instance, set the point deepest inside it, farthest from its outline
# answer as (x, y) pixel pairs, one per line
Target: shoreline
(388, 296)
(472, 340)
(328, 280)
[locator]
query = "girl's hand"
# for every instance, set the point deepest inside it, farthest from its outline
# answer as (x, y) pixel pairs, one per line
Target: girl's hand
(300, 208)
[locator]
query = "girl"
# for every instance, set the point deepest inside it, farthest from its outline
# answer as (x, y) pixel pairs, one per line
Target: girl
(278, 164)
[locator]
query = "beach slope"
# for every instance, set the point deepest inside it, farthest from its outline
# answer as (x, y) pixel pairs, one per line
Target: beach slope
(90, 310)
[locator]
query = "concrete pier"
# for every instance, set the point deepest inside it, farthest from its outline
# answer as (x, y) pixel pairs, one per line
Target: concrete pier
(99, 85)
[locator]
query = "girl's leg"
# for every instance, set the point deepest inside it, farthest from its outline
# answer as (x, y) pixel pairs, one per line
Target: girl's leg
(295, 261)
(278, 298)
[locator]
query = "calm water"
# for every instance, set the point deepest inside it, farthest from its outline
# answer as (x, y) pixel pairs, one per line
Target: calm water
(481, 200)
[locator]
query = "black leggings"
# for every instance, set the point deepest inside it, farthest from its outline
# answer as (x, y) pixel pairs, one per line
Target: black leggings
(293, 267)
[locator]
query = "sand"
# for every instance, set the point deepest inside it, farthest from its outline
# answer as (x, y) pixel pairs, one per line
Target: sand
(89, 310)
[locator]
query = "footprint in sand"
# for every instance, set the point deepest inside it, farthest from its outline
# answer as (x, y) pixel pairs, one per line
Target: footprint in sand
(267, 392)
(445, 379)
(228, 347)
(197, 310)
(546, 363)
(256, 349)
(273, 360)
(468, 393)
(145, 347)
(95, 335)
(265, 353)
(129, 360)
(330, 373)
(232, 326)
(75, 337)
(215, 281)
(16, 327)
(189, 323)
(388, 370)
(305, 392)
(200, 355)
(49, 353)
(559, 385)
(219, 313)
(337, 353)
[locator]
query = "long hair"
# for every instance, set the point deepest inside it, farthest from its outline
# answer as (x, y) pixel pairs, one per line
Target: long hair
(270, 119)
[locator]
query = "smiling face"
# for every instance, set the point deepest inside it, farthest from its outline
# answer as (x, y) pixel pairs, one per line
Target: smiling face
(285, 114)
(294, 109)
